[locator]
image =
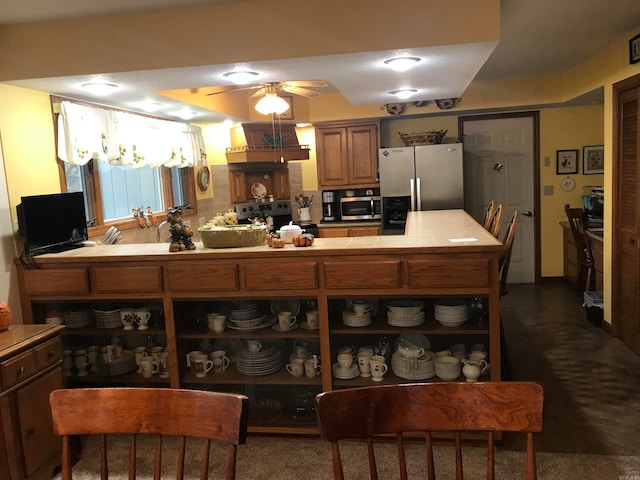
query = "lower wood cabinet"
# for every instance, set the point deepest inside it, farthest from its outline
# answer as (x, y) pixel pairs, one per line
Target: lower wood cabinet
(31, 369)
(571, 271)
(333, 232)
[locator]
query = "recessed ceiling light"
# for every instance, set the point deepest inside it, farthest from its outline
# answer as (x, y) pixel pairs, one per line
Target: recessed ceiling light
(401, 64)
(241, 76)
(100, 88)
(404, 92)
(148, 105)
(184, 114)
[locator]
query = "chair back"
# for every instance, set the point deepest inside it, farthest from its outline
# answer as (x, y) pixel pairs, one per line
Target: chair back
(420, 409)
(582, 242)
(208, 416)
(505, 257)
(488, 215)
(496, 220)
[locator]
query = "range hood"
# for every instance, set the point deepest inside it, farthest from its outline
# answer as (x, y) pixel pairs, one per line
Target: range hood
(265, 142)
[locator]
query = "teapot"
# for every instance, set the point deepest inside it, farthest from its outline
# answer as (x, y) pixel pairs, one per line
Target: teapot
(287, 232)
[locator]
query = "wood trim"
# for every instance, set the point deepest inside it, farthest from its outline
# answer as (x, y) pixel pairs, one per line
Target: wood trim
(535, 116)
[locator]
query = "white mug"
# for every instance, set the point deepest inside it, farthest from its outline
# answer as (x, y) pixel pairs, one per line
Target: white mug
(254, 346)
(286, 320)
(220, 361)
(312, 319)
(201, 365)
(143, 315)
(148, 366)
(296, 367)
(311, 369)
(378, 367)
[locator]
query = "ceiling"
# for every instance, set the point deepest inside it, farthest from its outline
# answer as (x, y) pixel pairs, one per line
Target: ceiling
(536, 38)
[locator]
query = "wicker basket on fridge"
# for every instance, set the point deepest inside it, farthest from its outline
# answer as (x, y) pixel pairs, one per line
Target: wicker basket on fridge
(422, 138)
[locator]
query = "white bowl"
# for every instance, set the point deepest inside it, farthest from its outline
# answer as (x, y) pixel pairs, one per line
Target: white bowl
(405, 306)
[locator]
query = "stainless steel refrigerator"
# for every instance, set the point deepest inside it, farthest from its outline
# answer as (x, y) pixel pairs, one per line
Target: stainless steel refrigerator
(426, 177)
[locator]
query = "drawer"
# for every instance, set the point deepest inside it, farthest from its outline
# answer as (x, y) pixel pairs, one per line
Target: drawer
(56, 281)
(47, 353)
(18, 368)
(452, 272)
(128, 279)
(198, 278)
(362, 274)
(280, 275)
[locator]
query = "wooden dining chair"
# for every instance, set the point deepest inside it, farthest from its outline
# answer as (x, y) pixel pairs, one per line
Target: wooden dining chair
(488, 215)
(421, 409)
(586, 265)
(505, 256)
(210, 416)
(496, 220)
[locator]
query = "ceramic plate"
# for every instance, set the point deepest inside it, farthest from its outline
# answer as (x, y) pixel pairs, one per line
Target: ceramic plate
(258, 190)
(305, 326)
(277, 328)
(266, 323)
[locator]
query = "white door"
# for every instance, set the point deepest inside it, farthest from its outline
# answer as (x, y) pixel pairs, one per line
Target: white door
(499, 166)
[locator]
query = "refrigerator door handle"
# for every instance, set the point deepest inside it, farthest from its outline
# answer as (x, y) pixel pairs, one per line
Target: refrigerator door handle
(419, 194)
(413, 195)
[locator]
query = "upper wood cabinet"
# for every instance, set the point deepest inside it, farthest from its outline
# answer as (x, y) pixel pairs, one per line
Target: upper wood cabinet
(347, 154)
(275, 178)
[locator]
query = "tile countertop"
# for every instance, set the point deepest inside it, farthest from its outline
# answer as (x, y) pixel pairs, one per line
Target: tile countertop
(435, 231)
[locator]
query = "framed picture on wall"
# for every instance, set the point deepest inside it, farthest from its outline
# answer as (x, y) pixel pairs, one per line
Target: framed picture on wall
(566, 161)
(592, 159)
(634, 49)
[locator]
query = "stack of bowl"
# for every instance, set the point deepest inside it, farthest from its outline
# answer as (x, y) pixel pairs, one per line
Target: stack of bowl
(448, 368)
(246, 315)
(405, 313)
(451, 313)
(419, 368)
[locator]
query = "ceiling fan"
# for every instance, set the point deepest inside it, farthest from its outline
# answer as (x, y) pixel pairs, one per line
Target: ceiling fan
(297, 87)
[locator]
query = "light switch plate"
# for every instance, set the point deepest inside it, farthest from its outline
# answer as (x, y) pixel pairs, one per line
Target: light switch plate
(547, 162)
(548, 190)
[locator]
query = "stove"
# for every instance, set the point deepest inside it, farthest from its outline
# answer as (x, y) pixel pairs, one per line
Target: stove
(279, 211)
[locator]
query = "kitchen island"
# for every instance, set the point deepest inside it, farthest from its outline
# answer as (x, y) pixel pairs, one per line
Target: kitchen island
(443, 254)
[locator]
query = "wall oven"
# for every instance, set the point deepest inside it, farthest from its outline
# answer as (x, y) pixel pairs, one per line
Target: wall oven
(362, 205)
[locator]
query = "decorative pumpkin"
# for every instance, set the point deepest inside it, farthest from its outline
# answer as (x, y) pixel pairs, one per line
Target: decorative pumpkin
(5, 316)
(278, 243)
(302, 240)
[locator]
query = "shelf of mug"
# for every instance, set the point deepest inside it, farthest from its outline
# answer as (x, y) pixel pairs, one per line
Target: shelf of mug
(111, 331)
(266, 332)
(232, 376)
(380, 326)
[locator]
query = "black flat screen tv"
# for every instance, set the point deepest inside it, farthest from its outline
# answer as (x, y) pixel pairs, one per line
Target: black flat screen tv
(52, 223)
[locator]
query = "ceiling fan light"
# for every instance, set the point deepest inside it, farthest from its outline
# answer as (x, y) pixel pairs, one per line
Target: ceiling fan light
(404, 93)
(100, 88)
(272, 103)
(241, 77)
(400, 64)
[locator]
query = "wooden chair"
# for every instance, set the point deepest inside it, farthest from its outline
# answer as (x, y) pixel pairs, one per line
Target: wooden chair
(505, 257)
(221, 417)
(585, 261)
(488, 215)
(496, 220)
(423, 408)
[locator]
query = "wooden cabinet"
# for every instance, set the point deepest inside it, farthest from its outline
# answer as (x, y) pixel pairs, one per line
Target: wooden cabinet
(347, 154)
(324, 277)
(334, 232)
(30, 366)
(241, 178)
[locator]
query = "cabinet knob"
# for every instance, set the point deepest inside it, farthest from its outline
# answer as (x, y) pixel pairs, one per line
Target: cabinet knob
(51, 354)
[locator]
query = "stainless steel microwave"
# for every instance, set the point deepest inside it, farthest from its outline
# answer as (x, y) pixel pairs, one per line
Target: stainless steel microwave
(361, 208)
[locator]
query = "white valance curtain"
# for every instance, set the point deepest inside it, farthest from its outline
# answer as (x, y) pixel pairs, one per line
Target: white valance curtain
(121, 138)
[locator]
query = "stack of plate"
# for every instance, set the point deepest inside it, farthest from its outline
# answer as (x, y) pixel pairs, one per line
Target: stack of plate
(266, 361)
(405, 320)
(125, 363)
(452, 313)
(419, 368)
(345, 373)
(107, 318)
(244, 310)
(78, 318)
(352, 319)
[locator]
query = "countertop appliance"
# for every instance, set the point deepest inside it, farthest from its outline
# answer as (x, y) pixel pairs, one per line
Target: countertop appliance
(425, 177)
(277, 213)
(329, 207)
(360, 204)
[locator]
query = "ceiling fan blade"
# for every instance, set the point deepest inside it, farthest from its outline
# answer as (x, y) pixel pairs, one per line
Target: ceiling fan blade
(305, 92)
(308, 83)
(251, 87)
(259, 93)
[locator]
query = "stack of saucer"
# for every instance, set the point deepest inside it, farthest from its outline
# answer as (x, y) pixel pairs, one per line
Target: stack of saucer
(451, 313)
(266, 361)
(345, 373)
(419, 368)
(352, 319)
(107, 318)
(79, 318)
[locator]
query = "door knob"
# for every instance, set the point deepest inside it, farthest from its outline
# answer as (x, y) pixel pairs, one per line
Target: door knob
(528, 213)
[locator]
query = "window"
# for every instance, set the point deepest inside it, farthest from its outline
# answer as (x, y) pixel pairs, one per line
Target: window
(126, 162)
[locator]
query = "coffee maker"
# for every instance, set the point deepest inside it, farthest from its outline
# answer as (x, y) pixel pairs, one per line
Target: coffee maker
(329, 207)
